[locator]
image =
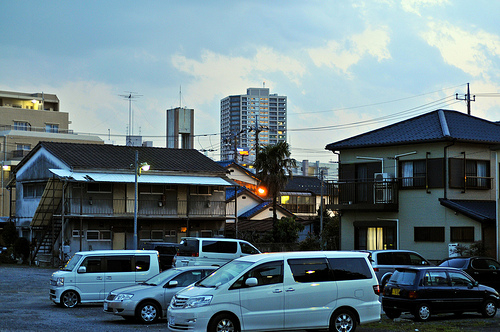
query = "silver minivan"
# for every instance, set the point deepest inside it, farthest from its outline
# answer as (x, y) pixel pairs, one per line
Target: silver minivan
(211, 251)
(281, 292)
(90, 275)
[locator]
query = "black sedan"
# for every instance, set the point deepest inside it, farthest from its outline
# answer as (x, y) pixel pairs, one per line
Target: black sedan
(484, 270)
(425, 291)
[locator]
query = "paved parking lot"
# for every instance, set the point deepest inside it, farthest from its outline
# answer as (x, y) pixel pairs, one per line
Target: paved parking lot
(25, 306)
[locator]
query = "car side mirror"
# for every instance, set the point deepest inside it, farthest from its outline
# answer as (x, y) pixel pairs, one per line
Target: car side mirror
(250, 282)
(172, 284)
(82, 269)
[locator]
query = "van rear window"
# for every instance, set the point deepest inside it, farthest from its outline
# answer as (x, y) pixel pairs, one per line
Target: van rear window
(189, 247)
(142, 262)
(224, 247)
(349, 268)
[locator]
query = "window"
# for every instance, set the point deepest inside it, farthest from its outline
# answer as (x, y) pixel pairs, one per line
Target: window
(33, 190)
(462, 234)
(157, 235)
(248, 249)
(266, 274)
(93, 264)
(428, 234)
(413, 173)
(151, 189)
(99, 187)
(436, 279)
(310, 270)
(349, 268)
(51, 128)
(21, 125)
(226, 247)
(94, 235)
(201, 190)
(23, 147)
(76, 233)
(476, 174)
(458, 279)
(375, 238)
(119, 264)
(142, 262)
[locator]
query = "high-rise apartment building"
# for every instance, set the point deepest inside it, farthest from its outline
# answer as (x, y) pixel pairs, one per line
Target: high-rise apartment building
(256, 118)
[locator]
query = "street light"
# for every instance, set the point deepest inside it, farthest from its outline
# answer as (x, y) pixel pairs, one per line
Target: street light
(138, 168)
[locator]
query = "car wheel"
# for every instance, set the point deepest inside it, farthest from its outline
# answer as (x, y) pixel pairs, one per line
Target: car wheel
(422, 312)
(223, 323)
(384, 282)
(343, 321)
(392, 314)
(147, 312)
(489, 309)
(69, 299)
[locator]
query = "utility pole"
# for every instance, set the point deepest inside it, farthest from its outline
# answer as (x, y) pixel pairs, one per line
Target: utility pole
(467, 98)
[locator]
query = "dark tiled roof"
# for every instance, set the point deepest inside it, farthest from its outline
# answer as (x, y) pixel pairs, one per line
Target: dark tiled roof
(440, 125)
(104, 156)
(300, 183)
(256, 209)
(482, 211)
(230, 192)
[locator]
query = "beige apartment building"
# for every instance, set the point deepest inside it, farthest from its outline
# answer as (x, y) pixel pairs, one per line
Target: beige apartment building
(25, 120)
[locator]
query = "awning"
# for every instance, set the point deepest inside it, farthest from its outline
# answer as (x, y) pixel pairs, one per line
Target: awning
(51, 198)
(143, 178)
(482, 211)
(294, 193)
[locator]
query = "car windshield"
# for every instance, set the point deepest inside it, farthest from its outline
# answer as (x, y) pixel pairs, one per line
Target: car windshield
(72, 263)
(405, 277)
(224, 274)
(160, 278)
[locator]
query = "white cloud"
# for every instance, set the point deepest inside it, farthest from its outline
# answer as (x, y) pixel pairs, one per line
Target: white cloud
(343, 55)
(470, 52)
(414, 6)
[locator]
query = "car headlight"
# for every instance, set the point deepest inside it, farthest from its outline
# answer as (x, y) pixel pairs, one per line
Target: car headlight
(198, 301)
(123, 297)
(60, 281)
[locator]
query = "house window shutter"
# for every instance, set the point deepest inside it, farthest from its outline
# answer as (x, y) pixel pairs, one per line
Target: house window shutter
(457, 174)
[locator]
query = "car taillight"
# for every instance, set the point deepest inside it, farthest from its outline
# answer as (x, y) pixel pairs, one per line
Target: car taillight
(412, 294)
(376, 289)
(375, 269)
(195, 254)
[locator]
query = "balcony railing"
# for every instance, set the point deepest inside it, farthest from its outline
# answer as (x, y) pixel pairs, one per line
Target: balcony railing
(363, 195)
(125, 207)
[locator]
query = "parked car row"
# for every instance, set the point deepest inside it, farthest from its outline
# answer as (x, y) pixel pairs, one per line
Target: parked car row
(226, 284)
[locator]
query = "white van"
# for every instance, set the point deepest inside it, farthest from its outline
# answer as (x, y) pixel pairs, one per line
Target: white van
(211, 251)
(281, 291)
(90, 275)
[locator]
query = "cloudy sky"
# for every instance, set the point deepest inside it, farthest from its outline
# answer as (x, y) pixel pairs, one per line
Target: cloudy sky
(347, 67)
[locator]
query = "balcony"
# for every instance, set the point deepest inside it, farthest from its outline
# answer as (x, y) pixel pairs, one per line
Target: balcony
(146, 208)
(367, 196)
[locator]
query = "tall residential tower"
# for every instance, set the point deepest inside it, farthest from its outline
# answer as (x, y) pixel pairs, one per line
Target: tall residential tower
(247, 120)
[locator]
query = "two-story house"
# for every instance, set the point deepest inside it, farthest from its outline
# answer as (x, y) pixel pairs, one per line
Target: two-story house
(91, 196)
(423, 184)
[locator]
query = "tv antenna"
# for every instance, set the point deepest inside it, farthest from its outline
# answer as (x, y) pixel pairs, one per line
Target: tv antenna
(130, 95)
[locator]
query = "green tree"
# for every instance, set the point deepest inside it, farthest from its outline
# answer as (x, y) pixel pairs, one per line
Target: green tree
(273, 166)
(287, 230)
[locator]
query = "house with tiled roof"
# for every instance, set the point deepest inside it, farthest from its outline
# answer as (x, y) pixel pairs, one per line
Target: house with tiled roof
(427, 184)
(90, 196)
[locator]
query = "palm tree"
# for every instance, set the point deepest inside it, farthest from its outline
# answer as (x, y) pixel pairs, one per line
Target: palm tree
(272, 163)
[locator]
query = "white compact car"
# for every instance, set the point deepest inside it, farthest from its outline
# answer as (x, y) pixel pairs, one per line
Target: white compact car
(281, 291)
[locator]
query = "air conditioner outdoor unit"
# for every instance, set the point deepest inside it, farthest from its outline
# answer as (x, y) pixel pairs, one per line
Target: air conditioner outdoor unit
(381, 177)
(382, 189)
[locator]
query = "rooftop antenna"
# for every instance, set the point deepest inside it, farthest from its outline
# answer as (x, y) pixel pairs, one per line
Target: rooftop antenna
(264, 84)
(130, 95)
(180, 96)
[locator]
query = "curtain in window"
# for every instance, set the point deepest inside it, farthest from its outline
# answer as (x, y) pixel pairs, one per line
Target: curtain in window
(481, 174)
(375, 238)
(419, 173)
(407, 172)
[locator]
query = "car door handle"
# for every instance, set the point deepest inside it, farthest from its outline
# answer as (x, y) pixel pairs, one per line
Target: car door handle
(277, 291)
(99, 278)
(290, 289)
(109, 278)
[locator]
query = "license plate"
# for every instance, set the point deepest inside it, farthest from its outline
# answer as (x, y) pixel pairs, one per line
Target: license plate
(395, 291)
